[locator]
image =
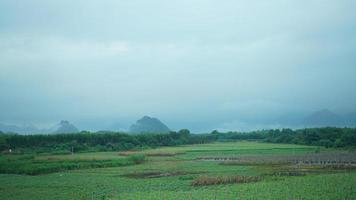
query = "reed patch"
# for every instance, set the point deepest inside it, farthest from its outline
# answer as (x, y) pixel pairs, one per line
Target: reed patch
(218, 180)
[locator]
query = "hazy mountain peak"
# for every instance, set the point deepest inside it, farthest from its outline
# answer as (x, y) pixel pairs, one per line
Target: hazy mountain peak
(148, 125)
(65, 126)
(325, 111)
(323, 117)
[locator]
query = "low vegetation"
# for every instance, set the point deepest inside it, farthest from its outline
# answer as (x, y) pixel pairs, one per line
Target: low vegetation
(256, 170)
(157, 174)
(340, 158)
(31, 166)
(203, 181)
(136, 158)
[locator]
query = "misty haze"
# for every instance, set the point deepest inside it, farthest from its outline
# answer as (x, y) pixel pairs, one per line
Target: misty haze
(141, 86)
(202, 65)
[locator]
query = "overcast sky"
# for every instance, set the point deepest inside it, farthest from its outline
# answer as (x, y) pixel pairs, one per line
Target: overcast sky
(198, 64)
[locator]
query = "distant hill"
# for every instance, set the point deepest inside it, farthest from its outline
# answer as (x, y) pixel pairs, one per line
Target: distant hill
(326, 117)
(65, 127)
(148, 125)
(350, 119)
(18, 129)
(320, 118)
(62, 127)
(323, 118)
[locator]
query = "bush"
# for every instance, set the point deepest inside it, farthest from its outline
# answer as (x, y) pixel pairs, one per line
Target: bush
(326, 143)
(137, 158)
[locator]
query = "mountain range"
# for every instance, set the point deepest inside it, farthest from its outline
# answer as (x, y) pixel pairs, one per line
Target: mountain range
(146, 124)
(62, 127)
(18, 129)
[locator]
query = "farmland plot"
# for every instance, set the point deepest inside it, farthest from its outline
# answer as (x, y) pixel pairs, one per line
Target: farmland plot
(234, 170)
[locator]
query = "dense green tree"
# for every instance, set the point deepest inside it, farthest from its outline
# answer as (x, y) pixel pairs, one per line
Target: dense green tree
(108, 141)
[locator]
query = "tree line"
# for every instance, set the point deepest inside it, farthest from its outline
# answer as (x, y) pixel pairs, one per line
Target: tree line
(98, 141)
(326, 136)
(115, 141)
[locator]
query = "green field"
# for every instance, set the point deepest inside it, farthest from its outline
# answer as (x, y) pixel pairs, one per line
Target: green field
(168, 173)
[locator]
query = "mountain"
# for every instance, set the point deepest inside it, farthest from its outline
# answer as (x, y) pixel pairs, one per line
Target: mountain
(65, 127)
(149, 125)
(350, 119)
(324, 118)
(26, 129)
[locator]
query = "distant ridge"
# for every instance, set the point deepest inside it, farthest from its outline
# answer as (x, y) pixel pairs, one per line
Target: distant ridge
(350, 119)
(323, 118)
(18, 129)
(326, 117)
(66, 127)
(148, 125)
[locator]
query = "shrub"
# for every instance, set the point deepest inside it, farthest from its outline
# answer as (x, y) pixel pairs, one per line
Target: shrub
(137, 158)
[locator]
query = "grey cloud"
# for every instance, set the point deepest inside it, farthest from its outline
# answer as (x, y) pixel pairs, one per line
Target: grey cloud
(188, 62)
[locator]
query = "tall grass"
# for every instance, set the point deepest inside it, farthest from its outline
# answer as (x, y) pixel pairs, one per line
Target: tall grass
(201, 181)
(28, 165)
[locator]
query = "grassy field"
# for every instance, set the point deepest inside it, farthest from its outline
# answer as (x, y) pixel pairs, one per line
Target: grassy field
(169, 173)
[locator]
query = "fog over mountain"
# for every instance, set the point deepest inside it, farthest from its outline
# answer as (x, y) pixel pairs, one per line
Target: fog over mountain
(65, 127)
(62, 127)
(24, 129)
(148, 125)
(196, 64)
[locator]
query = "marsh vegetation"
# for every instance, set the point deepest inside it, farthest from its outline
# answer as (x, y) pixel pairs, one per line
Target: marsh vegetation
(220, 170)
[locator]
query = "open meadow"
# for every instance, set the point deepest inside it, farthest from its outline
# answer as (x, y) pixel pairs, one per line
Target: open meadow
(230, 170)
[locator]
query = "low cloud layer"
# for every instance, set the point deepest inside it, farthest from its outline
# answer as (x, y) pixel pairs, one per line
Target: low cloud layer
(227, 64)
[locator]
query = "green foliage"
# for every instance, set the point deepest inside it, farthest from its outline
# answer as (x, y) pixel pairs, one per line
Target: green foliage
(27, 164)
(115, 141)
(327, 137)
(171, 177)
(137, 158)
